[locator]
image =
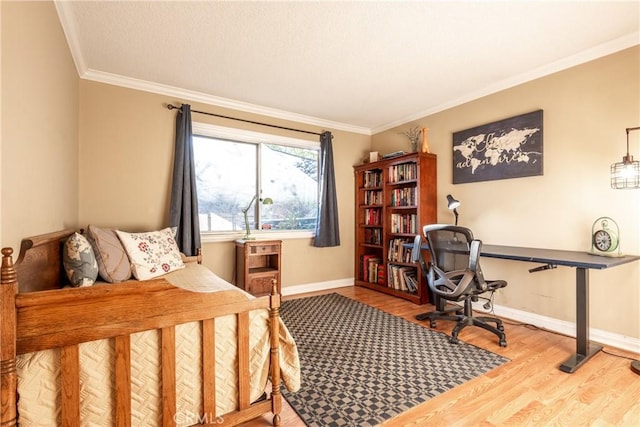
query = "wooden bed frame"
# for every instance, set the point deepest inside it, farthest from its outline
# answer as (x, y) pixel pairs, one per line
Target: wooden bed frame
(63, 318)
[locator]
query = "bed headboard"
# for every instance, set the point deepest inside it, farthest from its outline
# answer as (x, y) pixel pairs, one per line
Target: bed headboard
(39, 266)
(40, 262)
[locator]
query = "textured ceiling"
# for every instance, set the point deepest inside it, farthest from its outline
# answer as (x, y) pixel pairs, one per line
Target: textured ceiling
(361, 66)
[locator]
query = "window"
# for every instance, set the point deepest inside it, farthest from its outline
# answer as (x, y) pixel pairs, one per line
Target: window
(234, 166)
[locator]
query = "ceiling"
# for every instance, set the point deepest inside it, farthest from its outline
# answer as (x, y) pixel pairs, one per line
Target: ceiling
(362, 66)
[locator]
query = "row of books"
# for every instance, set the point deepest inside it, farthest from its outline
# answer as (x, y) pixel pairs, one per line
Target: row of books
(403, 196)
(403, 278)
(373, 236)
(372, 216)
(372, 179)
(398, 252)
(404, 223)
(403, 172)
(372, 269)
(373, 197)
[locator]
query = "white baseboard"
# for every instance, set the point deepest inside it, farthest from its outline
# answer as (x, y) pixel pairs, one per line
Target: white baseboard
(564, 327)
(319, 286)
(561, 326)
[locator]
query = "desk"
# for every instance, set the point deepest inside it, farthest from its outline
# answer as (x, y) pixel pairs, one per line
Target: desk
(583, 262)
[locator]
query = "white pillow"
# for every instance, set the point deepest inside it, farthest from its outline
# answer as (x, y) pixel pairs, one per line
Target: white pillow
(151, 254)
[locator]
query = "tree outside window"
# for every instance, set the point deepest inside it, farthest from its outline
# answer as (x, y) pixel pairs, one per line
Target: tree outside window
(230, 172)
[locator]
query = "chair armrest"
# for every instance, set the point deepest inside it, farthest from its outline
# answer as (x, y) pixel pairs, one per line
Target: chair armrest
(474, 262)
(474, 253)
(416, 254)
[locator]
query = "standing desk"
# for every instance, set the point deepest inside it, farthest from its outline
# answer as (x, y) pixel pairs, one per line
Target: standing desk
(583, 262)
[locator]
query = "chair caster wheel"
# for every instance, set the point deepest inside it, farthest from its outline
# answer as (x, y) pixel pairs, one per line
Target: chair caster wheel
(501, 328)
(503, 343)
(454, 340)
(432, 324)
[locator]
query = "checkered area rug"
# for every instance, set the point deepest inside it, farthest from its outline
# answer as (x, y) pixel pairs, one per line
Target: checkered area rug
(361, 366)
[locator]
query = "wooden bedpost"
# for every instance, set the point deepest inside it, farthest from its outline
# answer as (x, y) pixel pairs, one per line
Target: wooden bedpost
(274, 322)
(8, 375)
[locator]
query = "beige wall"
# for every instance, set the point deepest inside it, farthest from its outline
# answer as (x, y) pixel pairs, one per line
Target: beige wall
(39, 123)
(586, 111)
(126, 157)
(75, 153)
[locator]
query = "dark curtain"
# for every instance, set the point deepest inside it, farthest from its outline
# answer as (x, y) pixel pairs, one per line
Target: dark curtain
(183, 212)
(327, 229)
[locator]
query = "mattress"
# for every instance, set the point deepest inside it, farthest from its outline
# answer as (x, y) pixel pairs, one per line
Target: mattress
(39, 373)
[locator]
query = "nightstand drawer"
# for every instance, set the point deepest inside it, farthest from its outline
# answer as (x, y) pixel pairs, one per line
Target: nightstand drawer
(264, 249)
(261, 285)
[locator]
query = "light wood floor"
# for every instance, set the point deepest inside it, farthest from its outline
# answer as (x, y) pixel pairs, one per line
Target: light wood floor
(529, 390)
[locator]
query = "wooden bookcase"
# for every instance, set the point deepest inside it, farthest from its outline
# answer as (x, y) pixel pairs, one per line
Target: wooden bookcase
(394, 198)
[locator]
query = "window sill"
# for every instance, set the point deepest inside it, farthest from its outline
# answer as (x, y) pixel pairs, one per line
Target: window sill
(259, 235)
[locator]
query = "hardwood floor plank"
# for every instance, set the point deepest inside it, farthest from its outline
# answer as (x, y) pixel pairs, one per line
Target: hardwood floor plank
(529, 390)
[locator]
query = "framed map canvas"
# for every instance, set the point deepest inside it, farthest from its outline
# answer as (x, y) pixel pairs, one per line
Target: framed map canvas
(510, 148)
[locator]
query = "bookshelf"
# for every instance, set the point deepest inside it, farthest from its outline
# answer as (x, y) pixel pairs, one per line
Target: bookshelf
(394, 198)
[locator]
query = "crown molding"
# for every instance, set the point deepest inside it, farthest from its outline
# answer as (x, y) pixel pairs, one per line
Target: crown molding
(66, 16)
(69, 28)
(177, 92)
(554, 67)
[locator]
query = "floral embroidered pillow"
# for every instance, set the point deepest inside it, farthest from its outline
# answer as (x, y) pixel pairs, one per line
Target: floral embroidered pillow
(79, 261)
(151, 254)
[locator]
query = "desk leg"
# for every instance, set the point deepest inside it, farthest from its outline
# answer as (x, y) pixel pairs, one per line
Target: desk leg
(584, 349)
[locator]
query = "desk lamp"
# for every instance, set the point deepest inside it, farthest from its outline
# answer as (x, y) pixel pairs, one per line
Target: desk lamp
(453, 204)
(265, 201)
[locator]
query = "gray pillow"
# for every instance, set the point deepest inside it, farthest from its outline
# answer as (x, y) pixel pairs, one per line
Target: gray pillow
(79, 261)
(113, 262)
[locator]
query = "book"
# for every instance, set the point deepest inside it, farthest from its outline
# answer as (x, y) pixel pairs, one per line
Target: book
(394, 154)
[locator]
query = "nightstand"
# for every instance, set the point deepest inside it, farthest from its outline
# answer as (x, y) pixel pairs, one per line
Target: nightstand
(257, 263)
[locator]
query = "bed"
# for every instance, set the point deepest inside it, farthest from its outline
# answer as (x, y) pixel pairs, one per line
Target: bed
(184, 348)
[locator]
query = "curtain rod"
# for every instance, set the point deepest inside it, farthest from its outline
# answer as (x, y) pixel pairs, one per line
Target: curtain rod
(173, 107)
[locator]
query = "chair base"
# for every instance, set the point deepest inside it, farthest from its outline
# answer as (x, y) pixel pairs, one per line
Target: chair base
(465, 319)
(441, 314)
(481, 322)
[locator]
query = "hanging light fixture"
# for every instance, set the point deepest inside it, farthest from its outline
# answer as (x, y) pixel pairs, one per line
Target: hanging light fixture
(626, 174)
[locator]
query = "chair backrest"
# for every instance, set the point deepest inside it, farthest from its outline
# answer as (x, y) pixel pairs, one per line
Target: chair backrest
(448, 245)
(453, 248)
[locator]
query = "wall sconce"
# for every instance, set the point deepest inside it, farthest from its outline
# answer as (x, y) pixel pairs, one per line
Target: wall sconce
(247, 235)
(626, 174)
(453, 204)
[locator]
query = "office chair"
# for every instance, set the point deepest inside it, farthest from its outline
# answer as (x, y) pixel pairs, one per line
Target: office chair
(453, 274)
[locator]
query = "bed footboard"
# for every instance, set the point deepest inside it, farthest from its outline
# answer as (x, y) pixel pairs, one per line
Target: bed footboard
(65, 318)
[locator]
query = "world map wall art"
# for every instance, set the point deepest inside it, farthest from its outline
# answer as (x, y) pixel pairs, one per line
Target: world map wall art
(509, 148)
